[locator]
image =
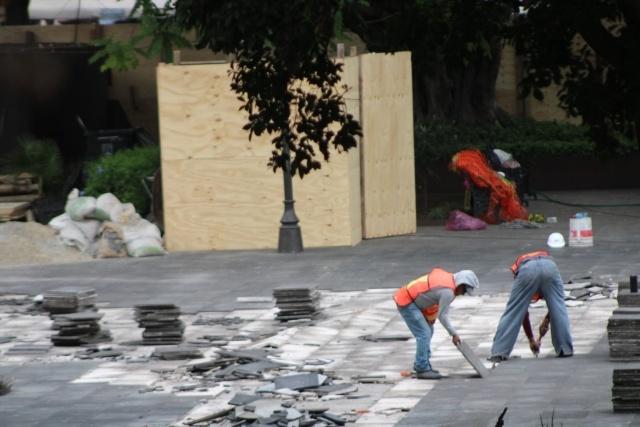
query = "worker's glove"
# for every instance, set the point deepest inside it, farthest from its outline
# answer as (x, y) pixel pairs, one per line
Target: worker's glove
(455, 340)
(534, 346)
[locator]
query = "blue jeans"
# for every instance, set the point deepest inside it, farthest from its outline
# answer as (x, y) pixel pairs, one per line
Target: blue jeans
(535, 275)
(423, 331)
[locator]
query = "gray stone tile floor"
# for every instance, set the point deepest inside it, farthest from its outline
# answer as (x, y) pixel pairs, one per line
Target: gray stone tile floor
(577, 389)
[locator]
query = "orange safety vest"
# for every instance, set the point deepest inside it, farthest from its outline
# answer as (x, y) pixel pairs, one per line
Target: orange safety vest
(516, 265)
(437, 278)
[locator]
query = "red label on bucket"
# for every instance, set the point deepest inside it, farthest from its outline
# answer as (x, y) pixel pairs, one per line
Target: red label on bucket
(586, 233)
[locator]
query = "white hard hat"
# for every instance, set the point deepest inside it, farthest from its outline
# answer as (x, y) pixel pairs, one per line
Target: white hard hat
(555, 240)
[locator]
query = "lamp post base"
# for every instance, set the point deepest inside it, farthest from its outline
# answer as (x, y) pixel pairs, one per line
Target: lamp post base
(290, 239)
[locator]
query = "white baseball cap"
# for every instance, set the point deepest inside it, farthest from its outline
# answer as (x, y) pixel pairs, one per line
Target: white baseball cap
(556, 240)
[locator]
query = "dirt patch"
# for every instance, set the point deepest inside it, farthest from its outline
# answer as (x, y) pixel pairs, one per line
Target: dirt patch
(23, 243)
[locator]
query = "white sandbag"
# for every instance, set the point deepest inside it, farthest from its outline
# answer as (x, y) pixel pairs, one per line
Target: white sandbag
(89, 228)
(80, 208)
(59, 222)
(71, 235)
(141, 229)
(105, 203)
(145, 246)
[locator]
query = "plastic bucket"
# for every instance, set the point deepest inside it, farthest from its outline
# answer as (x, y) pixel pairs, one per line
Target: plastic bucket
(580, 232)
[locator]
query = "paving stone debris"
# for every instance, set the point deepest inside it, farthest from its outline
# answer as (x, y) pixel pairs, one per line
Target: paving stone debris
(473, 360)
(625, 393)
(69, 300)
(296, 303)
(177, 353)
(81, 328)
(161, 323)
(222, 321)
(22, 349)
(5, 385)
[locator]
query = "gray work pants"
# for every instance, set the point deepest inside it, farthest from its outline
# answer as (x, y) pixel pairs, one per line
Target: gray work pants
(539, 274)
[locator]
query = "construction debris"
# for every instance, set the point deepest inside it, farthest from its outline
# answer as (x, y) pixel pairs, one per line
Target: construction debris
(625, 393)
(473, 360)
(177, 353)
(76, 329)
(161, 323)
(5, 385)
(296, 303)
(69, 300)
(28, 349)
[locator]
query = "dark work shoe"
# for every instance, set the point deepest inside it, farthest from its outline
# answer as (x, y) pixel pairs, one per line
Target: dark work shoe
(563, 354)
(428, 375)
(497, 358)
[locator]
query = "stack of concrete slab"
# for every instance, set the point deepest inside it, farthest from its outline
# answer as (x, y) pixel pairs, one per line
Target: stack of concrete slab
(625, 393)
(75, 329)
(69, 300)
(623, 331)
(296, 303)
(623, 327)
(161, 323)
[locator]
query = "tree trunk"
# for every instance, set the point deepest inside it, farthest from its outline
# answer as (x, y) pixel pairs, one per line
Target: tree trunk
(464, 94)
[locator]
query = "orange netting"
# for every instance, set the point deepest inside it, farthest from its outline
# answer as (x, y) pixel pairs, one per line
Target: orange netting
(502, 193)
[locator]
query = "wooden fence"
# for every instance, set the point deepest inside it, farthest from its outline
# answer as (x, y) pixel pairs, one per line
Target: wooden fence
(220, 194)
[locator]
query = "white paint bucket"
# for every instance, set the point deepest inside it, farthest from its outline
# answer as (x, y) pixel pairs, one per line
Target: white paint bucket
(580, 232)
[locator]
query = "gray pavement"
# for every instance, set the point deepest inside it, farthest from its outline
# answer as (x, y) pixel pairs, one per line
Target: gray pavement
(573, 391)
(211, 281)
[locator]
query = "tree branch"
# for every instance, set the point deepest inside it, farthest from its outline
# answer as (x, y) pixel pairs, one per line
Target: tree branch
(600, 39)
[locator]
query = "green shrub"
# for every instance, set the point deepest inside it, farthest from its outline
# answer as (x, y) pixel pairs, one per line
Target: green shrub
(38, 157)
(122, 174)
(527, 140)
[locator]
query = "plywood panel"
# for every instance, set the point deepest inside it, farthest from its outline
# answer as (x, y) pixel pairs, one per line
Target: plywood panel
(219, 192)
(388, 180)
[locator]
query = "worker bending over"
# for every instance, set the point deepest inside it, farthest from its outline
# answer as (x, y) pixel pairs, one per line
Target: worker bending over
(536, 276)
(425, 299)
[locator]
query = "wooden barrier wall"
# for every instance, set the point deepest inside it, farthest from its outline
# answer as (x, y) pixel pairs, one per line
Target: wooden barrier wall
(219, 192)
(388, 179)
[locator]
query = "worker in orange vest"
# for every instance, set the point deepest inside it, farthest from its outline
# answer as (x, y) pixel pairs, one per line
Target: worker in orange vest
(426, 299)
(536, 276)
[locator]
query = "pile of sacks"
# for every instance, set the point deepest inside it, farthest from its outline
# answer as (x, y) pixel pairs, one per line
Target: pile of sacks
(106, 228)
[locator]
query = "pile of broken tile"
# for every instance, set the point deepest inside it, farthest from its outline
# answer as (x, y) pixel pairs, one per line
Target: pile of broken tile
(161, 323)
(289, 397)
(296, 303)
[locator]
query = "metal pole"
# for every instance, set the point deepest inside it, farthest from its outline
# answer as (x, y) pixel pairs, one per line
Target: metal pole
(290, 237)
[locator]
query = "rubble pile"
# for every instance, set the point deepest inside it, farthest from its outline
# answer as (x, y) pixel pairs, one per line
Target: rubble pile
(235, 365)
(69, 300)
(625, 393)
(288, 400)
(161, 323)
(75, 329)
(296, 303)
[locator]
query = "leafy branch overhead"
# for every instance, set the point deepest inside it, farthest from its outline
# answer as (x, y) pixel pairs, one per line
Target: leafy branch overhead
(281, 71)
(158, 35)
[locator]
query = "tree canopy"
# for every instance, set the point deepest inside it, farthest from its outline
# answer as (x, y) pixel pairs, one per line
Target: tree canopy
(281, 71)
(455, 45)
(592, 50)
